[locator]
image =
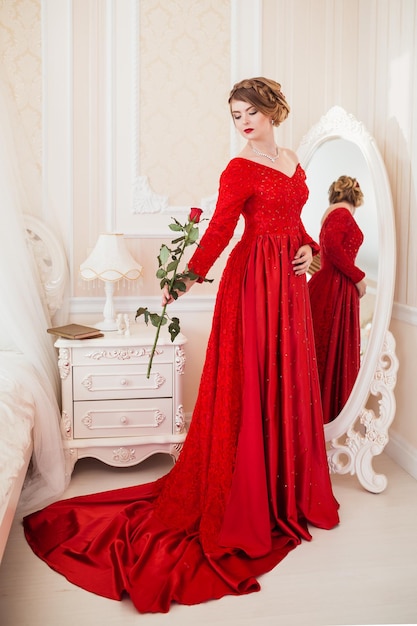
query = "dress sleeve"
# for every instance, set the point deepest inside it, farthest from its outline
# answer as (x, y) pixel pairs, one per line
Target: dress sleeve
(333, 241)
(306, 239)
(234, 189)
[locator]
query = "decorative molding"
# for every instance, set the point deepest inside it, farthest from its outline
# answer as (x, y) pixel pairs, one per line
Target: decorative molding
(88, 381)
(124, 455)
(145, 200)
(120, 354)
(175, 450)
(246, 60)
(245, 48)
(64, 363)
(50, 261)
(179, 420)
(66, 425)
(158, 416)
(246, 39)
(129, 304)
(180, 359)
(336, 121)
(58, 116)
(368, 434)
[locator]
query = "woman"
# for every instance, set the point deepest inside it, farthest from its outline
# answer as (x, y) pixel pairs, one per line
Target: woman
(334, 293)
(253, 471)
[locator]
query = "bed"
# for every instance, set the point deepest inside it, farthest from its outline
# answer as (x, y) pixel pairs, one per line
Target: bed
(26, 406)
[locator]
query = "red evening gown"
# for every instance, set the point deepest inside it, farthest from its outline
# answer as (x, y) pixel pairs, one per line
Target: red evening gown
(253, 471)
(335, 309)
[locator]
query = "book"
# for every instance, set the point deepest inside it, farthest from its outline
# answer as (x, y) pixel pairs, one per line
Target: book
(75, 331)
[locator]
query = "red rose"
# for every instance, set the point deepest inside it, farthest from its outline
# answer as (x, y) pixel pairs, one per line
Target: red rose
(195, 215)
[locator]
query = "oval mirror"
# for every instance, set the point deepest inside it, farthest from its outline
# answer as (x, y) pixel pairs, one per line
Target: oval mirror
(339, 144)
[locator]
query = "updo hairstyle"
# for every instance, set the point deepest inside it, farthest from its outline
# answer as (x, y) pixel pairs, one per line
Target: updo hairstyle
(346, 189)
(265, 95)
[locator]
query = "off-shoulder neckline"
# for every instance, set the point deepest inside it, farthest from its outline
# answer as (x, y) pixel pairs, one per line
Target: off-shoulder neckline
(337, 209)
(297, 167)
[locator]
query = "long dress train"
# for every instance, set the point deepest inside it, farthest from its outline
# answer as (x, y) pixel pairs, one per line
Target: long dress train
(253, 471)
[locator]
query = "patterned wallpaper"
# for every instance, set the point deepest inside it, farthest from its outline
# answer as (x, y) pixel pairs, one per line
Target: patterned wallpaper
(184, 82)
(21, 64)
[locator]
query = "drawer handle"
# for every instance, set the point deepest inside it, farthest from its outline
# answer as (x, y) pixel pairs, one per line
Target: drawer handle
(123, 419)
(123, 381)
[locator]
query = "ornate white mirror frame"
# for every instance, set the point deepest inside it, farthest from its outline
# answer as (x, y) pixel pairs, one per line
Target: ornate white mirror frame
(360, 431)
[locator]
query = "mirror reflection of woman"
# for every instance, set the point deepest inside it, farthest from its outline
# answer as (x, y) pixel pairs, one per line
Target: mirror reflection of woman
(335, 291)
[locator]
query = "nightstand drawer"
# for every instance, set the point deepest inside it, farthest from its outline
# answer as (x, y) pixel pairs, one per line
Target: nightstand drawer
(122, 382)
(122, 418)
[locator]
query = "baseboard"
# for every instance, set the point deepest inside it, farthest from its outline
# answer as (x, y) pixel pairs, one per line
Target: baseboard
(404, 313)
(402, 453)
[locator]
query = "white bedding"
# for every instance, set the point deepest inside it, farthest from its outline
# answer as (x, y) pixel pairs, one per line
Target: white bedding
(17, 414)
(33, 281)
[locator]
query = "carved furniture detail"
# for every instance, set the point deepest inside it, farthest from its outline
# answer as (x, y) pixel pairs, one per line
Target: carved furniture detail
(110, 409)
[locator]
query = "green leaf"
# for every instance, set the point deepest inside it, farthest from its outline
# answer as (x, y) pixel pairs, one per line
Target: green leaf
(161, 273)
(174, 328)
(177, 227)
(157, 320)
(172, 266)
(164, 254)
(179, 285)
(193, 236)
(143, 311)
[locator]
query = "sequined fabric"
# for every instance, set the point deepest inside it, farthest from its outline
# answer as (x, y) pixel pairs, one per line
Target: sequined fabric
(253, 472)
(335, 310)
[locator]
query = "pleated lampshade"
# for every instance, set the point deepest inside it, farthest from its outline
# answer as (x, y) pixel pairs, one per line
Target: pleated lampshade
(110, 260)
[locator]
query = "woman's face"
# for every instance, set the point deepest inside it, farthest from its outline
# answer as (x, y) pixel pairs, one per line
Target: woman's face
(250, 122)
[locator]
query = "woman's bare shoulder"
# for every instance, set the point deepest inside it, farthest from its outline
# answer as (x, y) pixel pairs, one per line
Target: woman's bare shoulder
(289, 154)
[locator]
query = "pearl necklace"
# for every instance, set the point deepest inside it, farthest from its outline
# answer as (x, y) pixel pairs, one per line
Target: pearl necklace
(267, 156)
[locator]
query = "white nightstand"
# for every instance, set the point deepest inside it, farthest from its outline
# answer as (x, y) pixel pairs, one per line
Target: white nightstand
(110, 409)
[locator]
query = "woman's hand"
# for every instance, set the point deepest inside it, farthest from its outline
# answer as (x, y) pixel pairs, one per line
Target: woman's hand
(166, 296)
(302, 260)
(361, 287)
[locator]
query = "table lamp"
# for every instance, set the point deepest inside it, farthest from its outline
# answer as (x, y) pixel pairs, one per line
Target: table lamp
(110, 261)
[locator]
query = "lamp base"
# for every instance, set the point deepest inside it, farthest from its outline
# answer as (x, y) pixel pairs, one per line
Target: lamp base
(106, 326)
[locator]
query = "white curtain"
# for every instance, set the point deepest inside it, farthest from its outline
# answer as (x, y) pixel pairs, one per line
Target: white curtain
(24, 320)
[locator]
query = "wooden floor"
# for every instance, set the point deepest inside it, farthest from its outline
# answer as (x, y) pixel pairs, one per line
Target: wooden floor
(362, 572)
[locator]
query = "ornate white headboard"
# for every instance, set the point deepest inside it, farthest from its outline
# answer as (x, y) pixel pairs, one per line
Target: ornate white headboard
(50, 260)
